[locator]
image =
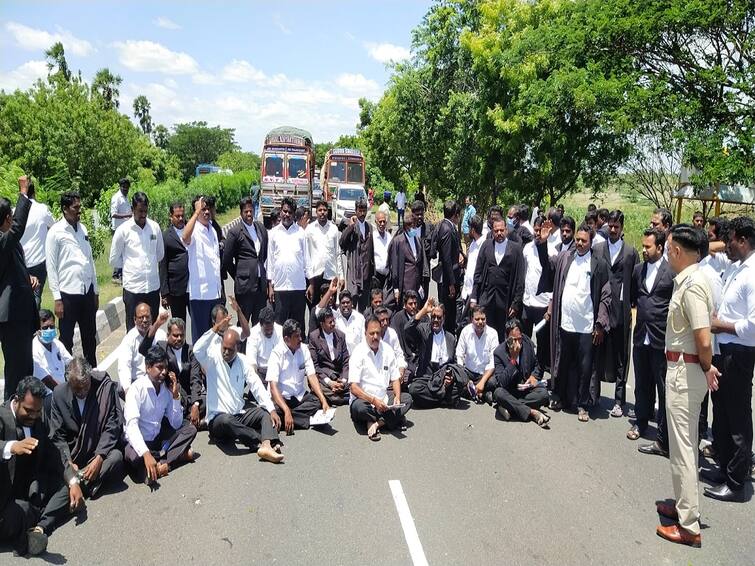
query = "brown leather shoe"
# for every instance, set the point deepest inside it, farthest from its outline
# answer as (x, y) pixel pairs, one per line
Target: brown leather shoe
(668, 511)
(676, 533)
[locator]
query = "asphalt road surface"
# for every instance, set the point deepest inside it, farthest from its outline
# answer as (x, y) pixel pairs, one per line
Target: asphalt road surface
(476, 490)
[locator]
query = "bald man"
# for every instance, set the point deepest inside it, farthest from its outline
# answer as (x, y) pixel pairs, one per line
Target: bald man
(380, 240)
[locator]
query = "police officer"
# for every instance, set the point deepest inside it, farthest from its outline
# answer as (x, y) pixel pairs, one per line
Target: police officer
(689, 375)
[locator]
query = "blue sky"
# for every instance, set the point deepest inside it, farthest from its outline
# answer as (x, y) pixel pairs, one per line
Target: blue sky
(245, 65)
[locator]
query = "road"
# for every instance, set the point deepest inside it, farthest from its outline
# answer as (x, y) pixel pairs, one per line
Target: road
(479, 491)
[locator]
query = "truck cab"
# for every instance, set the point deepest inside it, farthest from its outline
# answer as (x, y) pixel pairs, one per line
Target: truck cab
(342, 181)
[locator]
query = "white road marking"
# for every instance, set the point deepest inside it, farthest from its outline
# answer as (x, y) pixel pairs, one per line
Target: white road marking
(407, 523)
(111, 358)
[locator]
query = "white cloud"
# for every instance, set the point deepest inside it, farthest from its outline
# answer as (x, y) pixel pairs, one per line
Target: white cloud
(387, 52)
(279, 24)
(149, 56)
(358, 84)
(165, 23)
(205, 78)
(33, 39)
(240, 71)
(24, 76)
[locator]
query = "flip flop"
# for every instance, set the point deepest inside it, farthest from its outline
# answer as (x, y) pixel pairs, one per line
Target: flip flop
(583, 416)
(633, 433)
(373, 433)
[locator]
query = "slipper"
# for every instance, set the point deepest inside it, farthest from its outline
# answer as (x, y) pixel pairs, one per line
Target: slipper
(583, 416)
(373, 433)
(541, 419)
(617, 411)
(555, 405)
(633, 433)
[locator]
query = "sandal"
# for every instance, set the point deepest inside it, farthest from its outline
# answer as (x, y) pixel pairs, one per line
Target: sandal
(555, 405)
(583, 416)
(373, 433)
(633, 433)
(617, 411)
(541, 419)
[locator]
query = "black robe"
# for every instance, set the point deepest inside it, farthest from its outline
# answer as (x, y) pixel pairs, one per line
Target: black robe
(499, 287)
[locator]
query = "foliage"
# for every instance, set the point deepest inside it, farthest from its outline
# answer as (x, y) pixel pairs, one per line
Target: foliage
(141, 113)
(196, 143)
(105, 88)
(57, 65)
(239, 161)
(161, 135)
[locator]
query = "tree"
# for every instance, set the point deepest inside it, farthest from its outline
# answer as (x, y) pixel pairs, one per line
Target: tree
(141, 113)
(196, 143)
(105, 87)
(238, 161)
(653, 170)
(56, 61)
(161, 136)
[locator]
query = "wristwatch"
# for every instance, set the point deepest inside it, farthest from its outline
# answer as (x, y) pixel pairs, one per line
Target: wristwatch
(73, 481)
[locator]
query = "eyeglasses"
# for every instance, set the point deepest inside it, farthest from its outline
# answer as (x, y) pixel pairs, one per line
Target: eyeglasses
(436, 317)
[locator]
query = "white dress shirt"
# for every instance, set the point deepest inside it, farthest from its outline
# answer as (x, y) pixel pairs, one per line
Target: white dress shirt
(288, 263)
(50, 362)
(331, 346)
(324, 250)
(70, 265)
(225, 383)
(260, 346)
(597, 239)
(204, 263)
(476, 353)
(119, 204)
(290, 370)
(554, 240)
(391, 339)
(499, 250)
(380, 246)
(7, 454)
(738, 304)
(373, 371)
(439, 353)
(576, 301)
(144, 412)
(130, 361)
(35, 235)
(401, 200)
(533, 273)
(650, 275)
(139, 252)
(353, 328)
(614, 250)
(472, 253)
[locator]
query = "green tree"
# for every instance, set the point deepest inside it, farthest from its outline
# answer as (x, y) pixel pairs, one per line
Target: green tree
(105, 88)
(160, 136)
(57, 65)
(196, 143)
(141, 113)
(238, 161)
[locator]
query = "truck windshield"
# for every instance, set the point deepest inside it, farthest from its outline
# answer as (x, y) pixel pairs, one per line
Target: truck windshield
(337, 172)
(351, 194)
(297, 167)
(355, 173)
(274, 166)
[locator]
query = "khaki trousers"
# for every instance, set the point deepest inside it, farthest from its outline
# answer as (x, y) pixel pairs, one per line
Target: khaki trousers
(685, 390)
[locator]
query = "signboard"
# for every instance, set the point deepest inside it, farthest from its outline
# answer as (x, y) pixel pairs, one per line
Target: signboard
(345, 151)
(285, 139)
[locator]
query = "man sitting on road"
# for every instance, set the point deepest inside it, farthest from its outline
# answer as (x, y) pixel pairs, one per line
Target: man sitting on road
(399, 320)
(254, 424)
(519, 389)
(373, 368)
(289, 370)
(50, 356)
(158, 437)
(348, 321)
(86, 424)
(389, 336)
(474, 352)
(264, 336)
(330, 356)
(376, 300)
(130, 361)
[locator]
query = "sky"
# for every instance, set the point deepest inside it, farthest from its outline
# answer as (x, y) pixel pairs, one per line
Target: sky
(247, 65)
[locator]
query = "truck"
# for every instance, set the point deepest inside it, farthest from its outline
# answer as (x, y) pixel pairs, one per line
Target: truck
(209, 168)
(288, 166)
(342, 182)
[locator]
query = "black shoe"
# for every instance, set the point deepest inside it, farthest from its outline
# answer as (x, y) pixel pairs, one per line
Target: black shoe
(504, 413)
(488, 397)
(724, 493)
(716, 477)
(653, 448)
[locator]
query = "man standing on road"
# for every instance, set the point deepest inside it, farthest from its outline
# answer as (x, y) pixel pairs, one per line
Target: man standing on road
(174, 268)
(621, 259)
(120, 211)
(407, 263)
(73, 279)
(324, 252)
(650, 293)
(515, 220)
(538, 256)
(289, 267)
(356, 243)
(33, 241)
(372, 370)
(689, 375)
(205, 286)
(130, 361)
(426, 234)
(244, 258)
(469, 212)
(499, 279)
(735, 326)
(230, 418)
(289, 370)
(381, 240)
(476, 240)
(137, 249)
(450, 260)
(19, 318)
(400, 206)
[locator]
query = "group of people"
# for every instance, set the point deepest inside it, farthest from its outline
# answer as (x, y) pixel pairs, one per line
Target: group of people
(532, 313)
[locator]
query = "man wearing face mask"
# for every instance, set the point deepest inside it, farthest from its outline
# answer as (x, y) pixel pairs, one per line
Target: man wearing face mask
(86, 424)
(50, 356)
(356, 243)
(515, 225)
(407, 261)
(130, 360)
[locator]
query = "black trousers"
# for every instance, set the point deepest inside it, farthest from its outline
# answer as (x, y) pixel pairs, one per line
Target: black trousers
(252, 303)
(618, 360)
(425, 397)
(131, 300)
(400, 218)
(496, 319)
(179, 440)
(179, 305)
(251, 427)
(112, 471)
(15, 338)
(531, 318)
(364, 412)
(361, 300)
(379, 281)
(302, 410)
(732, 414)
(80, 309)
(200, 312)
(333, 398)
(449, 304)
(572, 385)
(291, 305)
(649, 380)
(40, 272)
(519, 403)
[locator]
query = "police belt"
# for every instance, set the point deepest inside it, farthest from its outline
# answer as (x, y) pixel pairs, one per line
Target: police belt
(688, 358)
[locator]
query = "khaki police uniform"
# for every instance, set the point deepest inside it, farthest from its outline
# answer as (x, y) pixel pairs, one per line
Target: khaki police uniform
(689, 310)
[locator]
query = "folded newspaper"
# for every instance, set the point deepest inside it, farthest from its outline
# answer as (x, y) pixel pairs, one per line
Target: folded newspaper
(322, 417)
